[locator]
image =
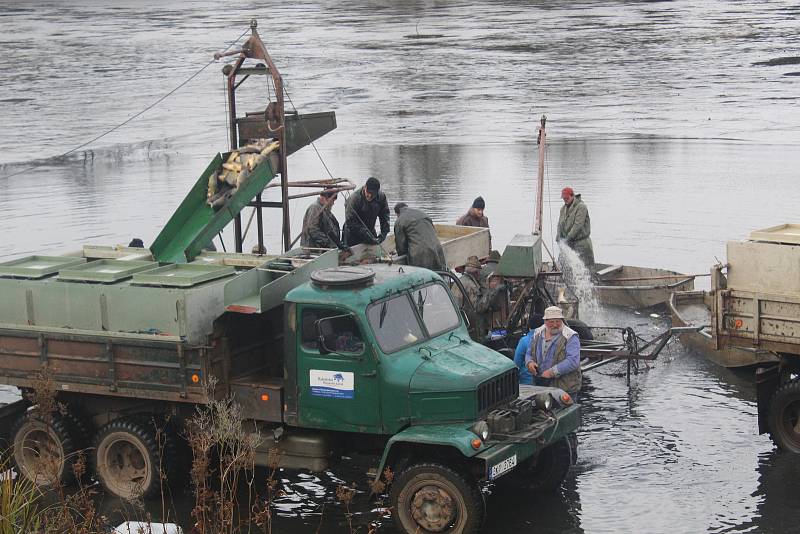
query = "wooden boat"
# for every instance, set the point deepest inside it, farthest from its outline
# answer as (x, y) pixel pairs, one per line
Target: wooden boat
(638, 287)
(692, 308)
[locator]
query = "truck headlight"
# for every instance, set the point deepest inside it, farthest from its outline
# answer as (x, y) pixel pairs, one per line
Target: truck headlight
(481, 429)
(544, 401)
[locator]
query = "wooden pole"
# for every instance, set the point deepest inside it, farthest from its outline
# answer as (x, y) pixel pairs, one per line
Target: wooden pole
(537, 223)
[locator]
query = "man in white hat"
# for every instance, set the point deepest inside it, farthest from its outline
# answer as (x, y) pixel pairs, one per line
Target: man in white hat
(554, 355)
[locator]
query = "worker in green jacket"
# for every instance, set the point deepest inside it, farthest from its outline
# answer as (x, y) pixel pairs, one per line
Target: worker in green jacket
(320, 227)
(415, 237)
(574, 227)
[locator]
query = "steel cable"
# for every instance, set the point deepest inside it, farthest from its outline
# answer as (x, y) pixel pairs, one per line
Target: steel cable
(129, 119)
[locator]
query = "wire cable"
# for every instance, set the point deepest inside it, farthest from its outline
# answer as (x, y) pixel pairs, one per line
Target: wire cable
(345, 194)
(132, 117)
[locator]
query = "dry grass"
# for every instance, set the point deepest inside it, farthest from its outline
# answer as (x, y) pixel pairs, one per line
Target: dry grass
(227, 497)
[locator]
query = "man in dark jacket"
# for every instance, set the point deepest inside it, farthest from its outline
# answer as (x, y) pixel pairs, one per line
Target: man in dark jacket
(475, 216)
(415, 237)
(363, 208)
(320, 227)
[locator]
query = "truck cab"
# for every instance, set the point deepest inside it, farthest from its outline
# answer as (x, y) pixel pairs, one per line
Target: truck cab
(382, 350)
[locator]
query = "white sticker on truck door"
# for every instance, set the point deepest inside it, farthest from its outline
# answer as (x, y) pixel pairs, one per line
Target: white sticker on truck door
(331, 384)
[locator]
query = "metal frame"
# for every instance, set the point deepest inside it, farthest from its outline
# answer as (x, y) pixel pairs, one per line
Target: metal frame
(275, 117)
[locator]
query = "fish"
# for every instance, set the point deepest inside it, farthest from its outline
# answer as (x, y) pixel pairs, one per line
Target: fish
(270, 148)
(212, 184)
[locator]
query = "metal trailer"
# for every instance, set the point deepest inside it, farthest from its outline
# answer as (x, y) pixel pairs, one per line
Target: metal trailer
(756, 305)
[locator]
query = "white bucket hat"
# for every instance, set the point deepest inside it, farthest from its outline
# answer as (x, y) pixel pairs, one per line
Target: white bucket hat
(553, 312)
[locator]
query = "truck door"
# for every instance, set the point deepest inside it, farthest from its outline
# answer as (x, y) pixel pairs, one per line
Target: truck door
(338, 383)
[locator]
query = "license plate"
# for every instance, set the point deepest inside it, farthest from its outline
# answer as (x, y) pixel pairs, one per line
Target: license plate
(503, 467)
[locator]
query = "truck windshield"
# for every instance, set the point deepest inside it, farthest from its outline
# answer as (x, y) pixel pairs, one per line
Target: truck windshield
(436, 309)
(396, 325)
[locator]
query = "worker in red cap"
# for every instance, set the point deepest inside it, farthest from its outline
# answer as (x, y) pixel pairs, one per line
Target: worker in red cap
(574, 227)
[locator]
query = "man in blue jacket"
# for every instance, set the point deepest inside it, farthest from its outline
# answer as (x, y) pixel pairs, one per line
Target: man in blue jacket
(554, 354)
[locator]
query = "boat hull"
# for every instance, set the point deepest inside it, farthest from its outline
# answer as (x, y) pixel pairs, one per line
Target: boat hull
(638, 287)
(691, 308)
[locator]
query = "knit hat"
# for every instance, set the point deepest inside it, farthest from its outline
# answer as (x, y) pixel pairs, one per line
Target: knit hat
(473, 262)
(494, 256)
(372, 185)
(479, 203)
(568, 192)
(553, 312)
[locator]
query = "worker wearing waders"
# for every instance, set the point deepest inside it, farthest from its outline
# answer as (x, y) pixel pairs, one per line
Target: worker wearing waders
(366, 205)
(320, 227)
(554, 354)
(482, 299)
(415, 237)
(574, 227)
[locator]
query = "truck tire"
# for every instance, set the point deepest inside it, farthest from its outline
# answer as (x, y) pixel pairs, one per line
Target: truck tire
(546, 472)
(127, 460)
(784, 417)
(431, 497)
(44, 449)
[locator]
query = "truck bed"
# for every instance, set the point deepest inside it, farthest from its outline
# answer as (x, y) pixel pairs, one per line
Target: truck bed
(126, 365)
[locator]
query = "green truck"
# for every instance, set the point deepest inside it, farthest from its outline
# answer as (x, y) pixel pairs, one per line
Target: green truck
(323, 360)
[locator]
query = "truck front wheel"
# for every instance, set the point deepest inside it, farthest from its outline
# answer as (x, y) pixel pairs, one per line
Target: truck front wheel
(431, 497)
(127, 459)
(784, 417)
(44, 449)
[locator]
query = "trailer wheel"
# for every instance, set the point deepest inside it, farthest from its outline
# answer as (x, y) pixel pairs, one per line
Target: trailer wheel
(431, 497)
(127, 459)
(546, 472)
(784, 417)
(44, 449)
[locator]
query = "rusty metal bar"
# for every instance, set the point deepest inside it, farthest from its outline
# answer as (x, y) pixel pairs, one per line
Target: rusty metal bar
(260, 224)
(541, 141)
(112, 367)
(183, 372)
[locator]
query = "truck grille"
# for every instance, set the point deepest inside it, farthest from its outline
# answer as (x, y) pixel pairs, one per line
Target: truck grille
(497, 391)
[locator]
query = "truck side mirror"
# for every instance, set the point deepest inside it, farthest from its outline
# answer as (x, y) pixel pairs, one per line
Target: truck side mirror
(324, 333)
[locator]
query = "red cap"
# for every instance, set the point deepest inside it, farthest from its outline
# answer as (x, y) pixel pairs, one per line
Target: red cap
(567, 191)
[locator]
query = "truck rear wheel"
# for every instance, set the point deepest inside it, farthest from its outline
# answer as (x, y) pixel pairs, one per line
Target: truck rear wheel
(432, 497)
(44, 449)
(784, 417)
(127, 459)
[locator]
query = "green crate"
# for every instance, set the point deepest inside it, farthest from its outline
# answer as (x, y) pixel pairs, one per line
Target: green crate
(105, 271)
(182, 275)
(34, 267)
